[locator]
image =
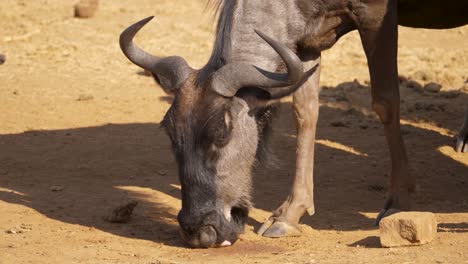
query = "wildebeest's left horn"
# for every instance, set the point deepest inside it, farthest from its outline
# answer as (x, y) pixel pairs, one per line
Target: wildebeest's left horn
(233, 76)
(170, 71)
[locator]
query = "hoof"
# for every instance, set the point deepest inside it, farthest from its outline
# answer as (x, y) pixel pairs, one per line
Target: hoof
(462, 144)
(384, 213)
(279, 229)
(394, 204)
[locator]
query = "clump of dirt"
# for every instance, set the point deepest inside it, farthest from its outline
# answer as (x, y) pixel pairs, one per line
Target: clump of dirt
(122, 213)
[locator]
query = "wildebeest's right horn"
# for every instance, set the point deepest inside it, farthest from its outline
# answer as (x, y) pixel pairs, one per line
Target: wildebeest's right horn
(170, 71)
(233, 76)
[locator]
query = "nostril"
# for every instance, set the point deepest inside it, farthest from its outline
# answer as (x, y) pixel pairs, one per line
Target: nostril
(207, 237)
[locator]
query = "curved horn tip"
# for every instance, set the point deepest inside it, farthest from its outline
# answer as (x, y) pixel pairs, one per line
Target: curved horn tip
(144, 21)
(263, 36)
(148, 19)
(138, 25)
(130, 32)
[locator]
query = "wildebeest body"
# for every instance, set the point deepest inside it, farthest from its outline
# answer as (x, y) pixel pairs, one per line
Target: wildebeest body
(437, 14)
(218, 122)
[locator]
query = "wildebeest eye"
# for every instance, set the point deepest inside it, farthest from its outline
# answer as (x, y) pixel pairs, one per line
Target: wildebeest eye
(223, 130)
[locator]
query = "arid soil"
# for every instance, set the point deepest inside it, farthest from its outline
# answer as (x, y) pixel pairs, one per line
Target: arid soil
(80, 136)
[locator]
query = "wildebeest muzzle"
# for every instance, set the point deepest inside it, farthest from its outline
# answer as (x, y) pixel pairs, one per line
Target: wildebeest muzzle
(211, 229)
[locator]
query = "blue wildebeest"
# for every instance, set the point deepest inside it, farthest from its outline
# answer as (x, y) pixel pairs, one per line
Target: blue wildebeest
(264, 50)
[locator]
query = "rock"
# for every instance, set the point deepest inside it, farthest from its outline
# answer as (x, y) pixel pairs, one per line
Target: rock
(338, 124)
(376, 188)
(56, 188)
(433, 87)
(411, 84)
(364, 126)
(2, 59)
(464, 87)
(11, 231)
(162, 172)
(86, 8)
(122, 213)
(408, 229)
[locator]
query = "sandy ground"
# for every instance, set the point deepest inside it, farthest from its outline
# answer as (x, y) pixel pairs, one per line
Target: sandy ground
(79, 135)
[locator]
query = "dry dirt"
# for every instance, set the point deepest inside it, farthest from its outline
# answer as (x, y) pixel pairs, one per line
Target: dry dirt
(79, 135)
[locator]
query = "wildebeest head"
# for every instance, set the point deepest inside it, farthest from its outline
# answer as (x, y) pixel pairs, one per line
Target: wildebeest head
(215, 133)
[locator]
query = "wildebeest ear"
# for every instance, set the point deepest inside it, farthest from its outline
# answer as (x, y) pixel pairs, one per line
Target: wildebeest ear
(165, 83)
(173, 77)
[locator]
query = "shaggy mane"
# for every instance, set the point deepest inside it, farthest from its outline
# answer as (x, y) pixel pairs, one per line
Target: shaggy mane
(224, 9)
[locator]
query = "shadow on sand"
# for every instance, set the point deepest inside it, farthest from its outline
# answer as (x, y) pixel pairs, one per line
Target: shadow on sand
(99, 167)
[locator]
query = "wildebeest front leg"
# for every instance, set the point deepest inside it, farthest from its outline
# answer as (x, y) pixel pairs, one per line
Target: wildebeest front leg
(285, 219)
(380, 45)
(462, 137)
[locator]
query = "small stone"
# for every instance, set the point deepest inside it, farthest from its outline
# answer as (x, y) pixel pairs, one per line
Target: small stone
(408, 229)
(464, 88)
(376, 188)
(11, 231)
(56, 188)
(338, 124)
(2, 59)
(162, 172)
(86, 8)
(433, 87)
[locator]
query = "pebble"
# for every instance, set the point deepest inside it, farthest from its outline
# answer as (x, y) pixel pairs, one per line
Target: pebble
(2, 59)
(86, 8)
(11, 231)
(338, 124)
(433, 87)
(56, 188)
(162, 172)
